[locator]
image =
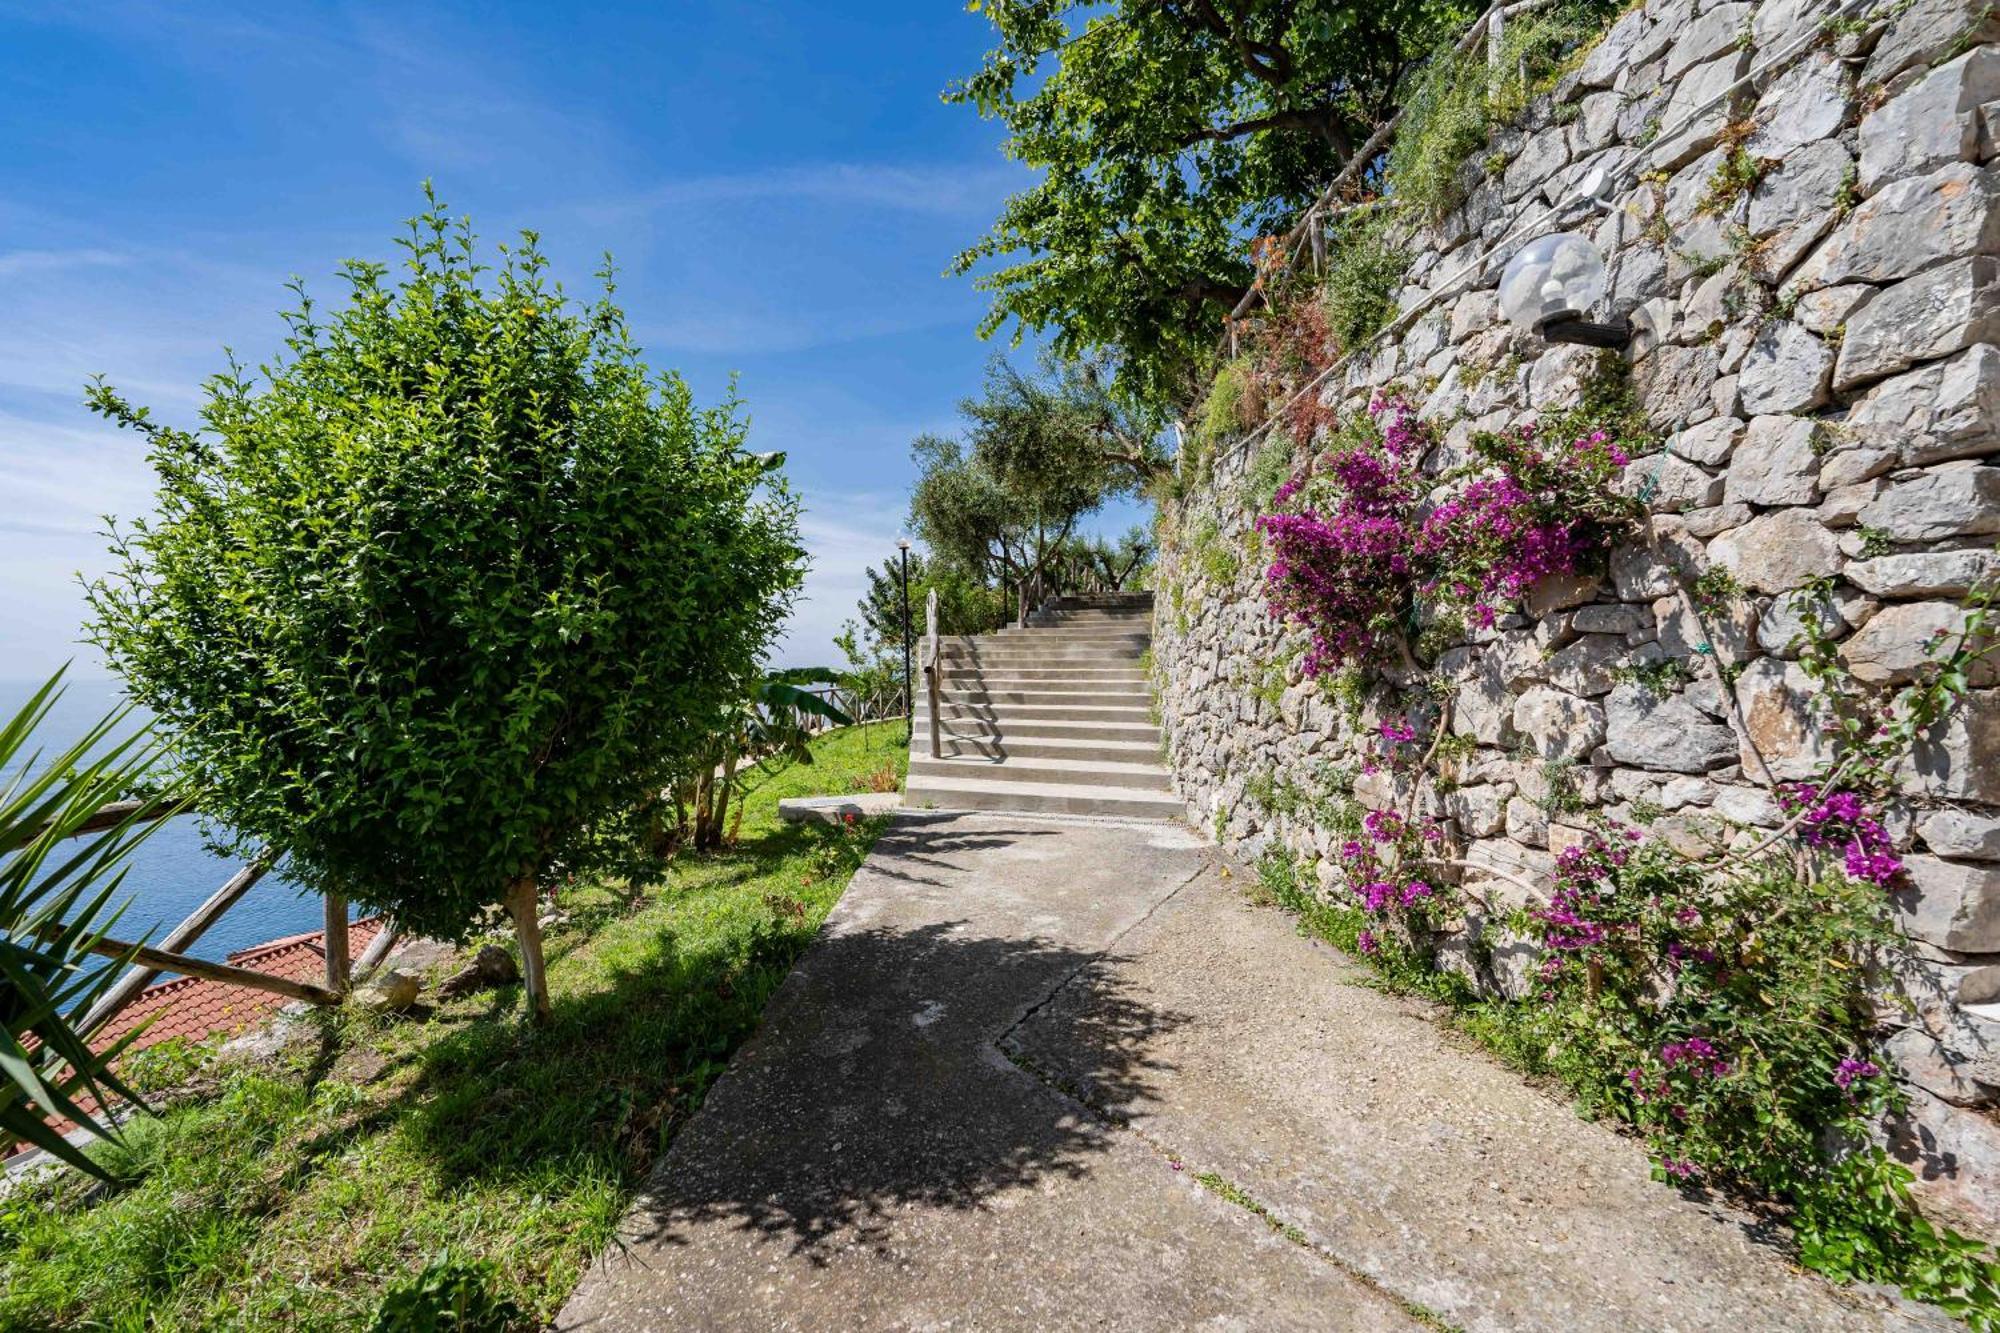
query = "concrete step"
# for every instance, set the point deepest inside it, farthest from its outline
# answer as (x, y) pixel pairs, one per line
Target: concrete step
(954, 793)
(1041, 695)
(1091, 616)
(1026, 654)
(1015, 746)
(1072, 772)
(1056, 678)
(1068, 634)
(1038, 729)
(1003, 714)
(1095, 599)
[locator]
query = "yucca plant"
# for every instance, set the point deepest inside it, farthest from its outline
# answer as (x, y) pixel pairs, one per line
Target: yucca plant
(58, 882)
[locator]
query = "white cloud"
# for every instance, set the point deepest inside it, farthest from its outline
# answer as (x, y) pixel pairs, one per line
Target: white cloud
(16, 263)
(938, 190)
(845, 534)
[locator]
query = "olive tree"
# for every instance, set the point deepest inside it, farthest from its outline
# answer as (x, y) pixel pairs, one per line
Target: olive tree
(438, 597)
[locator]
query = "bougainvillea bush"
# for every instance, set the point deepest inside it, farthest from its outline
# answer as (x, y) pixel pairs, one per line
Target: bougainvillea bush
(1367, 548)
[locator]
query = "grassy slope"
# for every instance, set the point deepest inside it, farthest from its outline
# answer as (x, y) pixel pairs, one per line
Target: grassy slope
(295, 1191)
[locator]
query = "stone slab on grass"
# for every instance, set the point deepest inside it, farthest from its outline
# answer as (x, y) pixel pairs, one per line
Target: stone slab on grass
(836, 809)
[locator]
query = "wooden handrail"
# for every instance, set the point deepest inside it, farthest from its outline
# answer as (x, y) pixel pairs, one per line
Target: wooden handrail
(933, 667)
(178, 940)
(163, 961)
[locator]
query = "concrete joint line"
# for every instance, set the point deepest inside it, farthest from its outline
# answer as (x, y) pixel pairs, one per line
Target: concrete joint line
(1213, 1182)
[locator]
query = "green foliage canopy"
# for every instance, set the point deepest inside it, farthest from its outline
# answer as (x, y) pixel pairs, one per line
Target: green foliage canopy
(457, 585)
(1034, 460)
(1168, 134)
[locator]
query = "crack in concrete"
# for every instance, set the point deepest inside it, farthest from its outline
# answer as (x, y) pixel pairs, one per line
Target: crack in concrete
(1212, 1181)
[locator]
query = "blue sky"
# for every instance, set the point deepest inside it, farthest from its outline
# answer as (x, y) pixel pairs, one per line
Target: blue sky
(779, 183)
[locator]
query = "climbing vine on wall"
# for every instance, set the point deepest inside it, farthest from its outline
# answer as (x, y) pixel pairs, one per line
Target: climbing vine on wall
(1372, 555)
(1723, 1004)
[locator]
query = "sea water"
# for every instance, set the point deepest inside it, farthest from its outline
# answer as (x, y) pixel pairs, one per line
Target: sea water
(173, 871)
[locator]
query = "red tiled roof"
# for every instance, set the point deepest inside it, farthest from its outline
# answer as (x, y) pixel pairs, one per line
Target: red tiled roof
(197, 1008)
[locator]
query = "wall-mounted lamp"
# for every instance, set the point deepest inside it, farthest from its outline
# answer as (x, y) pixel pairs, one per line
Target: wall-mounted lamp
(1549, 284)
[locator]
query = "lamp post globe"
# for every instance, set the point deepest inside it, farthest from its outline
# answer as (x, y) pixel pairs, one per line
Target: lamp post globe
(1550, 285)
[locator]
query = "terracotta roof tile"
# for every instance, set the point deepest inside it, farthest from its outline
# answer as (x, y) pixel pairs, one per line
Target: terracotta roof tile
(197, 1008)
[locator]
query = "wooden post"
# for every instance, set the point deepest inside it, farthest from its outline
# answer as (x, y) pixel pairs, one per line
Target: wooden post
(162, 961)
(336, 943)
(179, 940)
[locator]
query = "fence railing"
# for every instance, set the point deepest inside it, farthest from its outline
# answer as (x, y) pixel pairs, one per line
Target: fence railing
(170, 955)
(933, 669)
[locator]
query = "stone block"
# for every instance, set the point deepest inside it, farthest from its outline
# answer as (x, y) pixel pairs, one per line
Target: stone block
(1558, 592)
(1560, 726)
(1669, 485)
(1776, 464)
(1786, 370)
(1797, 202)
(1673, 383)
(1700, 129)
(1956, 500)
(1481, 811)
(1924, 573)
(1778, 551)
(1667, 734)
(1945, 410)
(1959, 758)
(1527, 823)
(1910, 225)
(1827, 309)
(1781, 726)
(1934, 122)
(1934, 314)
(1955, 1155)
(1966, 834)
(1705, 523)
(1925, 1061)
(1714, 33)
(1895, 645)
(1952, 904)
(1709, 443)
(1922, 31)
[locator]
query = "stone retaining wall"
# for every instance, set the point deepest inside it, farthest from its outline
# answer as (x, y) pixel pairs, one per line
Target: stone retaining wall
(1845, 426)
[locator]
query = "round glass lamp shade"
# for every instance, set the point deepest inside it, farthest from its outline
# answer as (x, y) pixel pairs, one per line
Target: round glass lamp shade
(1560, 276)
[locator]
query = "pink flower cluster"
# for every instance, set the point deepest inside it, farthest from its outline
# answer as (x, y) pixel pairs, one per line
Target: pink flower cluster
(1375, 869)
(1351, 562)
(1840, 819)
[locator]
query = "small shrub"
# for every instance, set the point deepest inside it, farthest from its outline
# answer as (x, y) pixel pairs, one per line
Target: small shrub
(451, 1295)
(1363, 273)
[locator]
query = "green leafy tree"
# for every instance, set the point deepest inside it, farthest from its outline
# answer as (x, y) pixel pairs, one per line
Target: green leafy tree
(1168, 135)
(450, 589)
(1035, 458)
(58, 880)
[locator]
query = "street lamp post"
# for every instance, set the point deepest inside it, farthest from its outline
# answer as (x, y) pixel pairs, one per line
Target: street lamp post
(909, 695)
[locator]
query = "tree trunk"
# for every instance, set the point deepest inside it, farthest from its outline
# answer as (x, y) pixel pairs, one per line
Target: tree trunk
(521, 905)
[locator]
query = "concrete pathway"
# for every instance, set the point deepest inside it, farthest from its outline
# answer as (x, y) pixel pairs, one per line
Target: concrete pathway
(1062, 1075)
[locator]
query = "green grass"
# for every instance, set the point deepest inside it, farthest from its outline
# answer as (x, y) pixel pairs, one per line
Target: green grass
(296, 1191)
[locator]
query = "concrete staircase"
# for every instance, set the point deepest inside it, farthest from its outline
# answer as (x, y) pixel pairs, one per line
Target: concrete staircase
(1052, 718)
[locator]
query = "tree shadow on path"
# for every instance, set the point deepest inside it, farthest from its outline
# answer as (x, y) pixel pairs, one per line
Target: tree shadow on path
(876, 1090)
